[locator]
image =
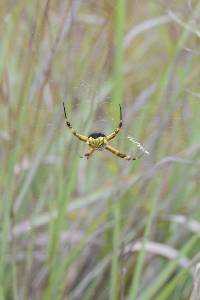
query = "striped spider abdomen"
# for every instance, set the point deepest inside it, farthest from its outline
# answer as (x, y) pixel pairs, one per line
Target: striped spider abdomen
(97, 141)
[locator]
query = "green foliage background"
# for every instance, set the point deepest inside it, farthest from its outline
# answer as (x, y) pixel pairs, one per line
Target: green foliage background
(103, 228)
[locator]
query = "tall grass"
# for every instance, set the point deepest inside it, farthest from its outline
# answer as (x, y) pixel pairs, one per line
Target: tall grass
(119, 23)
(103, 228)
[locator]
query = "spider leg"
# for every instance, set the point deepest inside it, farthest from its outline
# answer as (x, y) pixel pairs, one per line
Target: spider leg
(119, 154)
(89, 153)
(114, 133)
(82, 138)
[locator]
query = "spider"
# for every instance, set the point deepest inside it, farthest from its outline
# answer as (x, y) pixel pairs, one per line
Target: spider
(99, 141)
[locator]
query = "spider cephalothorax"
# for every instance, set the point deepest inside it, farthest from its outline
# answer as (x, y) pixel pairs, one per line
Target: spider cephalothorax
(99, 141)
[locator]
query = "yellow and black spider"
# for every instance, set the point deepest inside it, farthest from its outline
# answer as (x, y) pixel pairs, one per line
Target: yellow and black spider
(99, 141)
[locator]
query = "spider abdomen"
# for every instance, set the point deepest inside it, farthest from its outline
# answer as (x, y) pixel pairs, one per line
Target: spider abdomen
(97, 141)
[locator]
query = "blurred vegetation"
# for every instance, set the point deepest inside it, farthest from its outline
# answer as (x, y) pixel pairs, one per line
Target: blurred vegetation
(103, 228)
